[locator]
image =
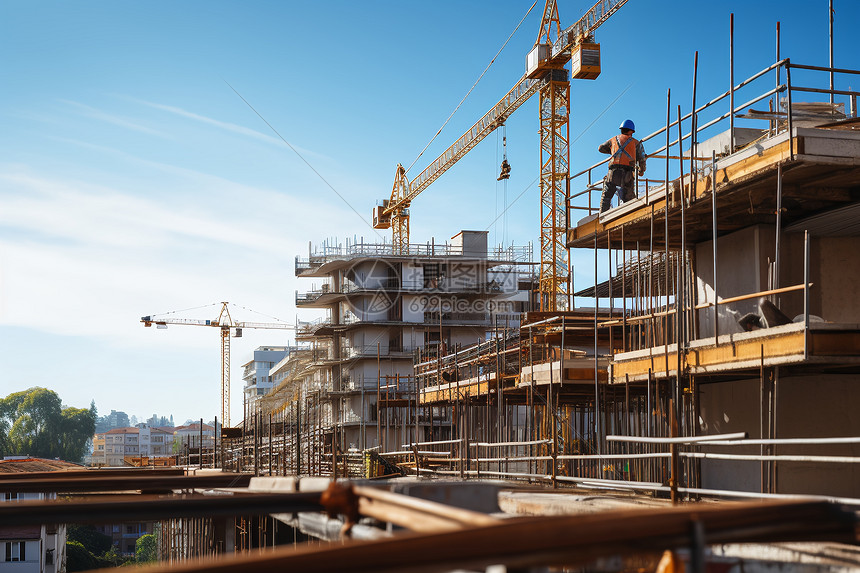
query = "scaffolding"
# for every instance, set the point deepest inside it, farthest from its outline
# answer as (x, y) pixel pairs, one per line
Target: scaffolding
(562, 396)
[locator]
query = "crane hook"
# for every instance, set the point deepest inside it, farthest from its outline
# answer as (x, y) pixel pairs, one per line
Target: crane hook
(506, 167)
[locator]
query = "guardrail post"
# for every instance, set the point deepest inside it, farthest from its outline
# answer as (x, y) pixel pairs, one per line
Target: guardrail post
(673, 449)
(806, 294)
(788, 107)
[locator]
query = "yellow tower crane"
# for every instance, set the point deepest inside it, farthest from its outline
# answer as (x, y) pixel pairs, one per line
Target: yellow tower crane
(225, 323)
(546, 73)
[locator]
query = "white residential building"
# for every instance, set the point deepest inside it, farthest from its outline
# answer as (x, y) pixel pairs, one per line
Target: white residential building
(258, 381)
(31, 548)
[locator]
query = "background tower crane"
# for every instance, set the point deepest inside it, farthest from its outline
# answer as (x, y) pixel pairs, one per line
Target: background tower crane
(546, 73)
(225, 323)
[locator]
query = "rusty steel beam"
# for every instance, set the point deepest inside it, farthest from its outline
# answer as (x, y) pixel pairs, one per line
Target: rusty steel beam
(89, 473)
(414, 513)
(116, 509)
(552, 540)
(134, 482)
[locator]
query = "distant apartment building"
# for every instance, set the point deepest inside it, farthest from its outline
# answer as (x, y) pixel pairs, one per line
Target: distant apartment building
(124, 535)
(112, 421)
(190, 436)
(31, 548)
(258, 381)
(155, 441)
(160, 421)
(112, 447)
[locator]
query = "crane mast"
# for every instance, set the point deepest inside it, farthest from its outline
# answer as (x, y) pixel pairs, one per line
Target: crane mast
(554, 109)
(547, 74)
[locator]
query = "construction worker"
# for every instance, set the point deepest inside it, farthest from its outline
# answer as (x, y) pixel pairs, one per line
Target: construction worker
(626, 153)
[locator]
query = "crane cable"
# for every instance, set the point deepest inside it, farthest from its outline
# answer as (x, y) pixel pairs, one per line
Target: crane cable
(581, 133)
(411, 165)
(185, 309)
(505, 185)
(260, 313)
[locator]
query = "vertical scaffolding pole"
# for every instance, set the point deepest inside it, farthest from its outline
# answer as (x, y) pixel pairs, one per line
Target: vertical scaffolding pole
(830, 37)
(732, 82)
(596, 361)
(694, 127)
(788, 109)
(624, 346)
(379, 396)
(806, 294)
(666, 231)
(778, 225)
(714, 240)
(679, 289)
(778, 38)
(761, 421)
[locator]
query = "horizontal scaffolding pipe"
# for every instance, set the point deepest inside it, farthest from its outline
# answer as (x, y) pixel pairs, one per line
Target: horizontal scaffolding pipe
(775, 458)
(613, 456)
(823, 91)
(821, 69)
(751, 295)
(504, 474)
(757, 495)
(787, 441)
(514, 459)
(611, 482)
(495, 444)
(430, 443)
(679, 440)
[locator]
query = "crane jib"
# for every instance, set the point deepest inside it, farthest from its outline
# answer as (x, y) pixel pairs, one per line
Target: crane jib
(518, 95)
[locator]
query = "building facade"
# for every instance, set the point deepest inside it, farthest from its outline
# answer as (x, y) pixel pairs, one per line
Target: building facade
(31, 548)
(353, 376)
(258, 381)
(111, 448)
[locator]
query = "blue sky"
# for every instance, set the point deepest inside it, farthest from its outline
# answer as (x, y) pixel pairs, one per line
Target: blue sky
(133, 180)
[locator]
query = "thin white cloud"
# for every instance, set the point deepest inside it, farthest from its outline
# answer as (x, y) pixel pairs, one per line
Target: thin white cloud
(94, 113)
(231, 127)
(96, 215)
(213, 184)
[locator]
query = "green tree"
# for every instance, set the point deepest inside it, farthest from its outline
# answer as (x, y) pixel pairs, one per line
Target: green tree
(87, 535)
(112, 558)
(35, 422)
(78, 558)
(146, 548)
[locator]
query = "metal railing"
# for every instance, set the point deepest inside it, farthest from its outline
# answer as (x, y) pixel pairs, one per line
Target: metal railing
(780, 120)
(535, 461)
(327, 252)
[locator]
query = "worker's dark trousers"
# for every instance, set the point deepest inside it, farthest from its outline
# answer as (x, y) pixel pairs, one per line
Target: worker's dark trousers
(617, 182)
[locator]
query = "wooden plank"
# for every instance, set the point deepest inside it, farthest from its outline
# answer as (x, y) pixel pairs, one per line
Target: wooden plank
(788, 344)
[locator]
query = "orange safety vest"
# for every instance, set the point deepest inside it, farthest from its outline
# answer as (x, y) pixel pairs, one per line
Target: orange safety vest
(623, 149)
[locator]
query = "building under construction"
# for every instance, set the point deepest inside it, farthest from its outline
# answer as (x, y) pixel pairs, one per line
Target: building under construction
(726, 309)
(713, 358)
